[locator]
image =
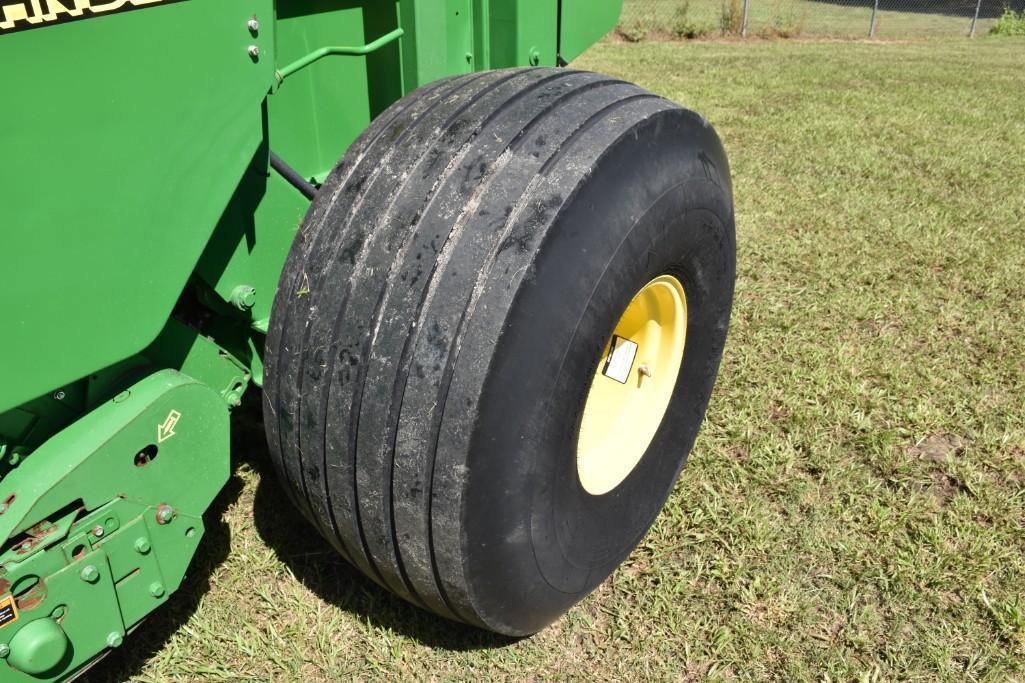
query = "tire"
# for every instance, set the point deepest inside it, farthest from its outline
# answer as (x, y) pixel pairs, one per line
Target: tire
(440, 317)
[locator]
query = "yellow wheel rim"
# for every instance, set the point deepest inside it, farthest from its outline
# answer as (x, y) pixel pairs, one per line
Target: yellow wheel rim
(632, 385)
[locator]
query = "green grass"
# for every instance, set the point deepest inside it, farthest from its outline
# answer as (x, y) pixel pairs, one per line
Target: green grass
(800, 18)
(854, 508)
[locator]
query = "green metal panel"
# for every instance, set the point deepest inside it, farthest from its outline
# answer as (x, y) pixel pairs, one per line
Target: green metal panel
(129, 135)
(523, 32)
(252, 238)
(583, 23)
(317, 112)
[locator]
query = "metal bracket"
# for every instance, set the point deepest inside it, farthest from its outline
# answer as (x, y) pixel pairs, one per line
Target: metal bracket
(320, 53)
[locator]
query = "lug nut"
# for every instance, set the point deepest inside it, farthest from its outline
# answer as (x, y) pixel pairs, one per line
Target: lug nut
(90, 574)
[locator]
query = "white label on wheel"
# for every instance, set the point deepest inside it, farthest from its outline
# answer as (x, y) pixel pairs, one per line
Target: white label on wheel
(621, 359)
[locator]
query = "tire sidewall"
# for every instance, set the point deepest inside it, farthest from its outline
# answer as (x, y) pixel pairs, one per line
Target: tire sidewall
(536, 541)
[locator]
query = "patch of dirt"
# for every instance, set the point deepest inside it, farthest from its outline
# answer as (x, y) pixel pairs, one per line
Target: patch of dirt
(945, 487)
(938, 447)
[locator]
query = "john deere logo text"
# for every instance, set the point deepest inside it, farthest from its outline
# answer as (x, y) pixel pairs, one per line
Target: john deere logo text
(17, 15)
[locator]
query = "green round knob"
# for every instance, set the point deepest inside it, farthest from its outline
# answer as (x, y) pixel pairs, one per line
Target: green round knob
(38, 647)
(243, 297)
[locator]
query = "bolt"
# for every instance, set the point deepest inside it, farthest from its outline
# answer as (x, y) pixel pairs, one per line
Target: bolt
(59, 394)
(644, 370)
(534, 57)
(58, 611)
(3, 508)
(254, 52)
(114, 639)
(5, 650)
(253, 25)
(26, 546)
(142, 545)
(243, 297)
(98, 530)
(165, 513)
(90, 574)
(156, 589)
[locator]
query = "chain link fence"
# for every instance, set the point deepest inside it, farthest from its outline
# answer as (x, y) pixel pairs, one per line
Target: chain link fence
(662, 19)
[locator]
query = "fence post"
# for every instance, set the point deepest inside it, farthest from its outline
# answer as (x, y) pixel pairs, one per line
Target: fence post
(743, 21)
(975, 19)
(872, 21)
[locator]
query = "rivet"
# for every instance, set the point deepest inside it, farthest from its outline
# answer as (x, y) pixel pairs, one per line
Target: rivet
(165, 513)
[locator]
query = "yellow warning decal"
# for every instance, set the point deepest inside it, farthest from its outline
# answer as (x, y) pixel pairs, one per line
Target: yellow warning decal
(17, 15)
(8, 611)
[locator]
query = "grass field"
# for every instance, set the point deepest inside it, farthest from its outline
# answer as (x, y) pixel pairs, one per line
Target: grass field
(841, 18)
(854, 509)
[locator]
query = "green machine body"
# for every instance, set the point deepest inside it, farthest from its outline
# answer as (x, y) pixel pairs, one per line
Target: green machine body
(144, 222)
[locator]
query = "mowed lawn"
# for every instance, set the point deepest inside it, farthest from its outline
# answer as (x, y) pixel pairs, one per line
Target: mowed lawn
(854, 509)
(842, 18)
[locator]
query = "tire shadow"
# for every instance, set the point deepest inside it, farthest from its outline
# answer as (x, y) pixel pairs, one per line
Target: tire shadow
(319, 567)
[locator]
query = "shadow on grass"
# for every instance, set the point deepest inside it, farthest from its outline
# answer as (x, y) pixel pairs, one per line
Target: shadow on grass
(314, 562)
(300, 547)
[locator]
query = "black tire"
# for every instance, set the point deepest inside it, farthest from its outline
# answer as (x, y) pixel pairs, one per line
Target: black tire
(440, 316)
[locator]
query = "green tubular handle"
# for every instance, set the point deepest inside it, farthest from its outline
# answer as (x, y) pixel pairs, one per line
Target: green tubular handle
(322, 52)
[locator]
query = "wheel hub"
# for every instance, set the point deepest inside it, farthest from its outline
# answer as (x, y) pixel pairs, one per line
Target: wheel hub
(632, 385)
